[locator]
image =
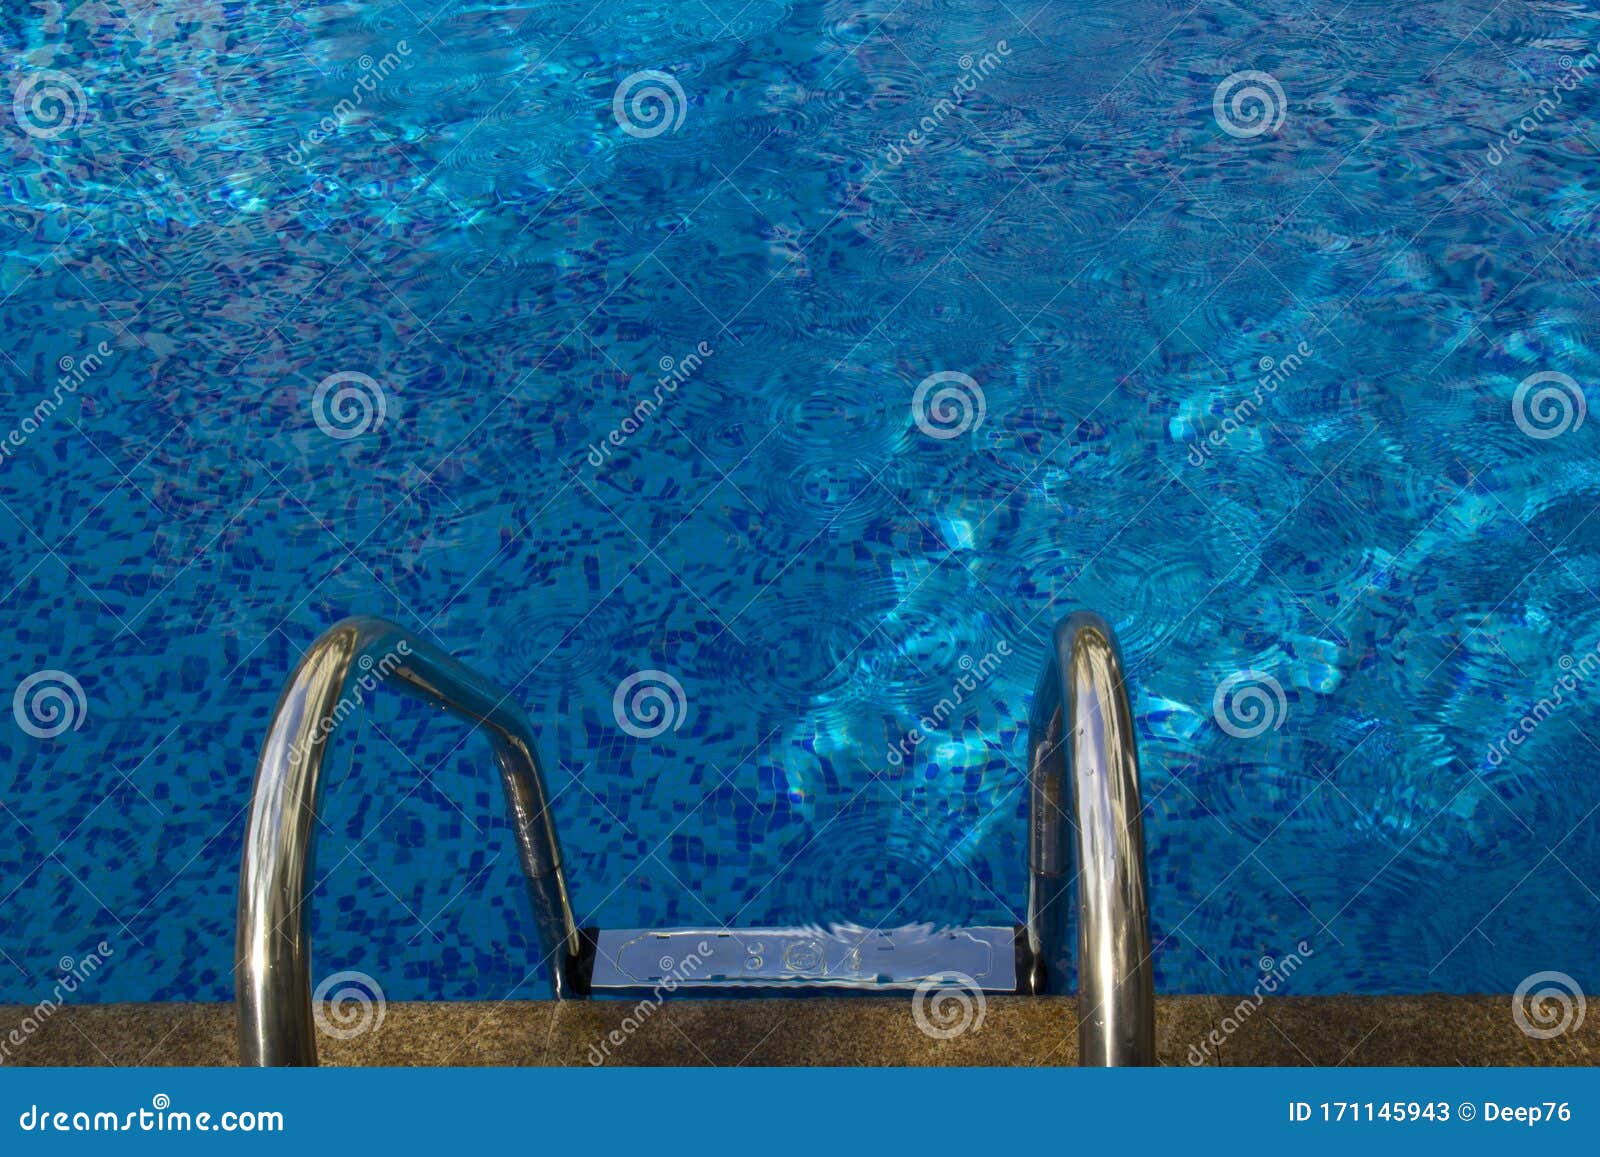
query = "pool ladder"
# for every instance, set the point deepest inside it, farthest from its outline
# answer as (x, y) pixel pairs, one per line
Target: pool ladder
(1084, 809)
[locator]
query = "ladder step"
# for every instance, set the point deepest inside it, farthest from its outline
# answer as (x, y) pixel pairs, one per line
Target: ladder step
(627, 959)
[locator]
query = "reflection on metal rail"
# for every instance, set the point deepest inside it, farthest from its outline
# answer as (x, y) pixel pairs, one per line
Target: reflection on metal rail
(1083, 772)
(272, 957)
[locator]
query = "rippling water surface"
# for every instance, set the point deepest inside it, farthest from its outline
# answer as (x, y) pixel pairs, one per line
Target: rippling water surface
(972, 314)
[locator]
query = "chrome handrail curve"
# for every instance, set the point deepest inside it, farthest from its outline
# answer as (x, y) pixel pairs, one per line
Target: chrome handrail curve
(272, 954)
(1083, 774)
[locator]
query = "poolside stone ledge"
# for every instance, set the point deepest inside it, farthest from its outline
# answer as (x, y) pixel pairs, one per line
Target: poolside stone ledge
(1340, 1030)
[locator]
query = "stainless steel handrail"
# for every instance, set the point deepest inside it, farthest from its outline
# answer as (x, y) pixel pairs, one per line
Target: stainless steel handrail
(272, 956)
(1083, 772)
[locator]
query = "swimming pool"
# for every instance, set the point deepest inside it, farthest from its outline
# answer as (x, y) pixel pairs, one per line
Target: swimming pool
(745, 387)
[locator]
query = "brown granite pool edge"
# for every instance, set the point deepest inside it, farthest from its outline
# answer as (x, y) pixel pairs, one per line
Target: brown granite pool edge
(1190, 1030)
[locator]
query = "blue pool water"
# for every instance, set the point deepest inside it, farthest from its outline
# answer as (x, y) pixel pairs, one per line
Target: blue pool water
(1238, 361)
